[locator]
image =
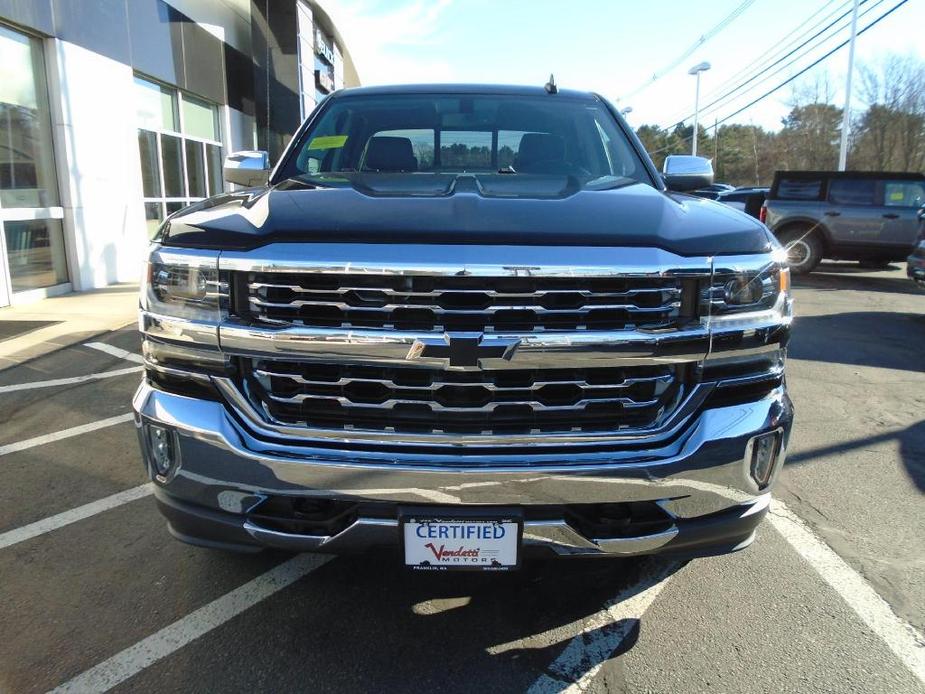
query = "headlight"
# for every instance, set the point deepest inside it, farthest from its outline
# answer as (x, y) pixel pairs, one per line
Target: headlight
(746, 290)
(184, 285)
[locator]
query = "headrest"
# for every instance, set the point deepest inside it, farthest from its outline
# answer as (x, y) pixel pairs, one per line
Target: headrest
(390, 154)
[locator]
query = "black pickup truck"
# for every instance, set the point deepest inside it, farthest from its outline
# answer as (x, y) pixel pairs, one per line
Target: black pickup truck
(469, 322)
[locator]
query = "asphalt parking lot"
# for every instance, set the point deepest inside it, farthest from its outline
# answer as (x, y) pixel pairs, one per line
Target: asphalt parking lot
(94, 594)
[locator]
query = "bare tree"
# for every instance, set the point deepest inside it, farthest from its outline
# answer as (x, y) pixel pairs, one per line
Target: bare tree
(891, 132)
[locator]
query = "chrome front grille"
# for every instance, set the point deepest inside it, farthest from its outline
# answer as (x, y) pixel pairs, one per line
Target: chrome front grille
(403, 302)
(416, 400)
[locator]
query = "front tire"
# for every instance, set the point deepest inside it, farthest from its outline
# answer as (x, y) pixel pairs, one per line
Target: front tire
(804, 249)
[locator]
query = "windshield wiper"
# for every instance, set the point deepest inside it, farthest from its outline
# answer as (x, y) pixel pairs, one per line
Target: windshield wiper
(507, 170)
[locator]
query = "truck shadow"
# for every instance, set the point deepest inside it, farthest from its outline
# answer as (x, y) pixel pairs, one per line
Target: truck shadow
(841, 276)
(911, 451)
(366, 623)
(885, 339)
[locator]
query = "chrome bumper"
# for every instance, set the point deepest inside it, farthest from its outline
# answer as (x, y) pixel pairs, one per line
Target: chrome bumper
(224, 470)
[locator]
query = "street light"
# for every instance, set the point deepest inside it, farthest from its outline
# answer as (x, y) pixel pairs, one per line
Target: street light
(696, 70)
(624, 111)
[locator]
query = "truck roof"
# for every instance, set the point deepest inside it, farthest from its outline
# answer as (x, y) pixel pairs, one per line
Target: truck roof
(449, 88)
(902, 175)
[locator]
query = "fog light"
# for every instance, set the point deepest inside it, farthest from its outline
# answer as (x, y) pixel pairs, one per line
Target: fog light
(162, 445)
(763, 451)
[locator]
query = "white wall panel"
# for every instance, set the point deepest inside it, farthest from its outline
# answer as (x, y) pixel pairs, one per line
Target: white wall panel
(95, 132)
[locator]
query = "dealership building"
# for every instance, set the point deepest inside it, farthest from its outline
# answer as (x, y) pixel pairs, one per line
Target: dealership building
(115, 113)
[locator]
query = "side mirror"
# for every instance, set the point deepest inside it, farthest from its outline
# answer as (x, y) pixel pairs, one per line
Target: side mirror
(248, 169)
(683, 172)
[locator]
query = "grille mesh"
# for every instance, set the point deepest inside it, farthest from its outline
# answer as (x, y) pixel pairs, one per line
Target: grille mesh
(463, 303)
(407, 399)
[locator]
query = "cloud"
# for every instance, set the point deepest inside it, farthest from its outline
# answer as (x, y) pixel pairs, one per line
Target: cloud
(387, 39)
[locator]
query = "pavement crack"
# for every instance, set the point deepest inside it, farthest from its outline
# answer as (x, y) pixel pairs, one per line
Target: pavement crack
(809, 504)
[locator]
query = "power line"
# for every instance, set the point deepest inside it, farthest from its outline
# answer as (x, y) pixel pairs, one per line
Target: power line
(813, 64)
(726, 21)
(766, 76)
(782, 44)
(790, 79)
(759, 64)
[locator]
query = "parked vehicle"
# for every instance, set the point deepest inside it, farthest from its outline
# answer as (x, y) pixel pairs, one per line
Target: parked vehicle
(915, 263)
(747, 199)
(713, 191)
(468, 322)
(851, 215)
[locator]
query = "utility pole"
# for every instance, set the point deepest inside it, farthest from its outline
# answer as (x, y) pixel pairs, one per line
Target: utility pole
(696, 70)
(846, 116)
(716, 142)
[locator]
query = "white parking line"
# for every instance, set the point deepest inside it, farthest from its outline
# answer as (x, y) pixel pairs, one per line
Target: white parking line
(47, 525)
(602, 634)
(64, 434)
(903, 639)
(69, 381)
(115, 351)
(175, 636)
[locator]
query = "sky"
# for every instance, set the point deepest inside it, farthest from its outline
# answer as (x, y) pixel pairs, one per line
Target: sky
(615, 47)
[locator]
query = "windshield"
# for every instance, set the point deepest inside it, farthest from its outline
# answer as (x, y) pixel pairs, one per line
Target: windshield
(514, 145)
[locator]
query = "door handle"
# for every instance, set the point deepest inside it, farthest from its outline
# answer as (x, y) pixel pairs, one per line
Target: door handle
(833, 213)
(891, 215)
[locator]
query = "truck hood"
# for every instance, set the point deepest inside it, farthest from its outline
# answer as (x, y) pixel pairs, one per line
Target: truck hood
(466, 212)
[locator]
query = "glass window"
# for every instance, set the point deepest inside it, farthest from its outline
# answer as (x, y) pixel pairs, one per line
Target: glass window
(180, 150)
(465, 150)
(200, 119)
(195, 169)
(172, 158)
(508, 147)
(214, 156)
(799, 188)
(150, 175)
(154, 215)
(157, 106)
(551, 144)
(853, 191)
(35, 250)
(422, 144)
(27, 175)
(904, 193)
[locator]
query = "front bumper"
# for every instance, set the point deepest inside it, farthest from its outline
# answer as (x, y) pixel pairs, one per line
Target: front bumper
(701, 480)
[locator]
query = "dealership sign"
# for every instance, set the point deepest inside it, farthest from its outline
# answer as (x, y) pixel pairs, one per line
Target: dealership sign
(323, 47)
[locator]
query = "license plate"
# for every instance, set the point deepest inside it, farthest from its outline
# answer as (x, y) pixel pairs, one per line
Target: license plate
(460, 543)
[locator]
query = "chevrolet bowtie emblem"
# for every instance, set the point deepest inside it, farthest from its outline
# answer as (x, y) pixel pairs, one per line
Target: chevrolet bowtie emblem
(463, 349)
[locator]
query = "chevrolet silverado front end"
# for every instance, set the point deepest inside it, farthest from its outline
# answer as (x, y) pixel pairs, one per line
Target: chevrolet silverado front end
(470, 322)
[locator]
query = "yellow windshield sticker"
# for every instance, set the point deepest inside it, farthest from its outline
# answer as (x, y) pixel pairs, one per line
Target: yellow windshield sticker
(898, 195)
(328, 142)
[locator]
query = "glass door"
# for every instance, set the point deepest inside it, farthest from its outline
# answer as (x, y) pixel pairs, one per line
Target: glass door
(32, 255)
